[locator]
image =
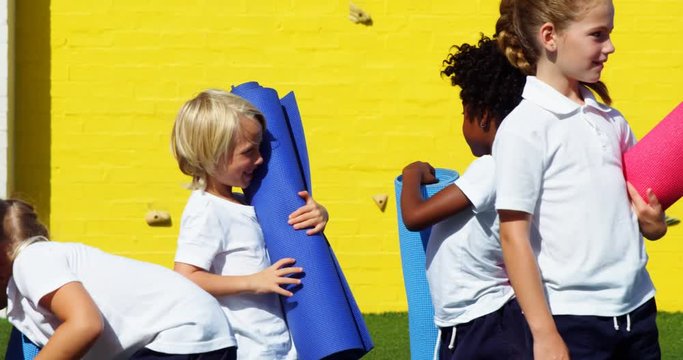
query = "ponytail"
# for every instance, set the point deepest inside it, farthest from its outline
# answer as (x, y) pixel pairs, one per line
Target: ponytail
(519, 52)
(601, 89)
(18, 223)
(510, 47)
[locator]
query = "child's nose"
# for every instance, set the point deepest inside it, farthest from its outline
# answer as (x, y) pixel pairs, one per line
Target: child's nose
(609, 47)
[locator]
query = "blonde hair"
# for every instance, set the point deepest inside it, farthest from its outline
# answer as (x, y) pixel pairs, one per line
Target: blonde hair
(206, 128)
(520, 20)
(20, 226)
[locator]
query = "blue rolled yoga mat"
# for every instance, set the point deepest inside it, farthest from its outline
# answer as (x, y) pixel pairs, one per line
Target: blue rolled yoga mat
(323, 317)
(20, 347)
(413, 244)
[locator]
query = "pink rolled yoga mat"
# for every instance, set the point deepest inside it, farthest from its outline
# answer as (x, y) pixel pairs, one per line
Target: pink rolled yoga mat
(656, 161)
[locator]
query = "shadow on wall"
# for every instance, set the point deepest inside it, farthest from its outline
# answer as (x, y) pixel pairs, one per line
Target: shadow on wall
(30, 104)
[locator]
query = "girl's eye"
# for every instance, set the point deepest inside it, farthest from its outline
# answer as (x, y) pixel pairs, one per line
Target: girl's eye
(600, 35)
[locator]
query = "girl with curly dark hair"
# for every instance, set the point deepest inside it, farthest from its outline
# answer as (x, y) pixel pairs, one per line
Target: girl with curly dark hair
(475, 309)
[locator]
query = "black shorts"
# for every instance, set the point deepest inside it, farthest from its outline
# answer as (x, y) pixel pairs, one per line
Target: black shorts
(631, 336)
(222, 354)
(502, 334)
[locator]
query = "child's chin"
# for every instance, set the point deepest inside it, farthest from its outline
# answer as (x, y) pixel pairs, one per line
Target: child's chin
(593, 78)
(477, 152)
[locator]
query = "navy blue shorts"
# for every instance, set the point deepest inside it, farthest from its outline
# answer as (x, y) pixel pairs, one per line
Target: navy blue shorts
(222, 354)
(633, 336)
(502, 334)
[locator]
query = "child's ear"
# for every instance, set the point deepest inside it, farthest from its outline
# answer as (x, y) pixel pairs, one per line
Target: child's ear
(547, 36)
(484, 121)
(489, 122)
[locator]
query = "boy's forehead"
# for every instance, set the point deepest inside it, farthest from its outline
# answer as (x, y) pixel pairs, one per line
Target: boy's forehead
(250, 124)
(245, 118)
(249, 130)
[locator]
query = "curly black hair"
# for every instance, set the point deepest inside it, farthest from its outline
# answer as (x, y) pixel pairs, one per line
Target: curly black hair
(489, 84)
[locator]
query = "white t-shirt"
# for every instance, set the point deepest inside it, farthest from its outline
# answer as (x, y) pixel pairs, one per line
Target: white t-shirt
(142, 304)
(225, 238)
(465, 269)
(562, 163)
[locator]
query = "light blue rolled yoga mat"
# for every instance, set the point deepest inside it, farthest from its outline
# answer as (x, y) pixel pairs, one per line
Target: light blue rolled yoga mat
(322, 316)
(413, 244)
(20, 347)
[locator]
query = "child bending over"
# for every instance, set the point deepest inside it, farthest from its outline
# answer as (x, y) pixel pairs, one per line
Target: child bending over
(75, 301)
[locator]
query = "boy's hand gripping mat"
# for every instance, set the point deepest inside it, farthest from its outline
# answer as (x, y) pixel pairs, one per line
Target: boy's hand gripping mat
(656, 161)
(413, 244)
(20, 347)
(322, 316)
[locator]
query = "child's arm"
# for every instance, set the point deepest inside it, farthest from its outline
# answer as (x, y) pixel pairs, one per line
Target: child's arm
(309, 215)
(650, 214)
(267, 281)
(525, 278)
(419, 213)
(81, 323)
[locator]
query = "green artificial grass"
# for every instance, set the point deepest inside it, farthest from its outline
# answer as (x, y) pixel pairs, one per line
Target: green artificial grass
(5, 329)
(670, 327)
(390, 334)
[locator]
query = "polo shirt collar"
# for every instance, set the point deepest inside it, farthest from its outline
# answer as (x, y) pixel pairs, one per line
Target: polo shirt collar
(589, 100)
(552, 100)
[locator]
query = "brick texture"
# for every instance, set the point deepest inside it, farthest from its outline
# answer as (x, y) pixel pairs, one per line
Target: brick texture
(370, 96)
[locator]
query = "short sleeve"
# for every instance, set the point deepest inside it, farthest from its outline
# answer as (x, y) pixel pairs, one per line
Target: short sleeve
(200, 238)
(478, 183)
(628, 139)
(40, 269)
(519, 170)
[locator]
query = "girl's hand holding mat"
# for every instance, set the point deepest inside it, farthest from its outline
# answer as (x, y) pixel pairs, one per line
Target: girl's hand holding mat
(311, 215)
(423, 170)
(420, 211)
(650, 214)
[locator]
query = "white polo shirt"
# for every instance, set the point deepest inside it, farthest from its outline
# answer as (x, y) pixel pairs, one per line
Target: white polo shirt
(225, 238)
(142, 304)
(561, 162)
(465, 270)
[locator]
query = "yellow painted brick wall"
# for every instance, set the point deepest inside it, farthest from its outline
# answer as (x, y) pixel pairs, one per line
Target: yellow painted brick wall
(371, 99)
(29, 178)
